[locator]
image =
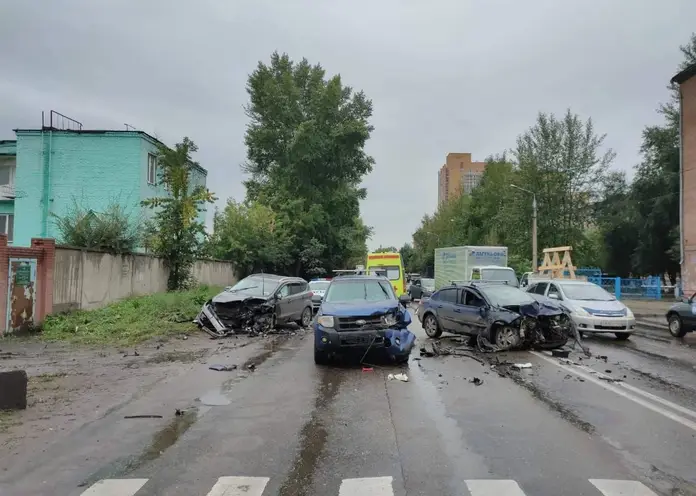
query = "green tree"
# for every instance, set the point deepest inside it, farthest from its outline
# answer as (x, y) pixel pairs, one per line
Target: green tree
(178, 236)
(252, 236)
(385, 249)
(305, 157)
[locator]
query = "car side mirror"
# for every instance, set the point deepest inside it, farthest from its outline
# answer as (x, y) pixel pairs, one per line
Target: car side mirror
(278, 296)
(404, 299)
(554, 296)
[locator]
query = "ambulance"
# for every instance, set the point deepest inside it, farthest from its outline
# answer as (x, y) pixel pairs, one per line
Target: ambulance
(389, 265)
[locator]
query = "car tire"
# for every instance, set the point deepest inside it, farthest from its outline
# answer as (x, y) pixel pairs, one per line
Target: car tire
(676, 326)
(320, 357)
(305, 318)
(622, 336)
(431, 327)
(506, 337)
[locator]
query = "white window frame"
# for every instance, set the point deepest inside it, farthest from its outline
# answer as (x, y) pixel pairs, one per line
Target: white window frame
(12, 168)
(9, 227)
(152, 169)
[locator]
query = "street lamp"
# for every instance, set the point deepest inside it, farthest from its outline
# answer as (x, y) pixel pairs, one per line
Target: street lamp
(535, 260)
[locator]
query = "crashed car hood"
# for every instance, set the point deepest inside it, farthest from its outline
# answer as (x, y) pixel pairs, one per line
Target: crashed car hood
(227, 297)
(362, 308)
(541, 307)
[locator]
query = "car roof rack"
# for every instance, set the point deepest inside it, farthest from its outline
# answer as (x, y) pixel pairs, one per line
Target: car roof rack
(476, 282)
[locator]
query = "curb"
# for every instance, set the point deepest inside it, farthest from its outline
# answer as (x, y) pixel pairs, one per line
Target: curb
(652, 325)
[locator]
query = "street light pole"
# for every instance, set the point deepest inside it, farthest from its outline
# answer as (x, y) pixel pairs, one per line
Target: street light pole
(535, 260)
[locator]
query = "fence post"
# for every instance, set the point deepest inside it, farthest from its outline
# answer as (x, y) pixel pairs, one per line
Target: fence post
(617, 287)
(658, 282)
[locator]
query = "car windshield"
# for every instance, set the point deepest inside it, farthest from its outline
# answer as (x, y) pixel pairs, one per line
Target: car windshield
(318, 285)
(356, 290)
(503, 295)
(586, 292)
(390, 272)
(255, 286)
(428, 283)
(499, 275)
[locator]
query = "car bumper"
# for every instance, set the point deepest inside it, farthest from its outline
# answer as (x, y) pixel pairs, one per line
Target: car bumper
(597, 324)
(397, 343)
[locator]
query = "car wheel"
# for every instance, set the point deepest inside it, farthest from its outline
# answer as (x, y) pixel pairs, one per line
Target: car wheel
(431, 327)
(321, 357)
(622, 336)
(676, 328)
(306, 318)
(506, 337)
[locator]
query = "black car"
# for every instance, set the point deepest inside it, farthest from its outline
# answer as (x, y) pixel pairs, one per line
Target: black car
(503, 315)
(681, 317)
(421, 288)
(264, 300)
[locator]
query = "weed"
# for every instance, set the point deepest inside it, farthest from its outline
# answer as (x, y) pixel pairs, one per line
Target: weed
(131, 320)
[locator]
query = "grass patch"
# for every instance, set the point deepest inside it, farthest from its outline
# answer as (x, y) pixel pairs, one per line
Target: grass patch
(7, 420)
(132, 320)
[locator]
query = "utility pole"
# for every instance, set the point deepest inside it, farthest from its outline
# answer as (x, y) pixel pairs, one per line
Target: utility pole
(535, 260)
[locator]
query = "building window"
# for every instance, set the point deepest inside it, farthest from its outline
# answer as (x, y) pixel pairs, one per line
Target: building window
(470, 180)
(7, 226)
(6, 174)
(151, 168)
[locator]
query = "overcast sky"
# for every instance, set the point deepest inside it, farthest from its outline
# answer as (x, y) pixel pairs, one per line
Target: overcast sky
(444, 76)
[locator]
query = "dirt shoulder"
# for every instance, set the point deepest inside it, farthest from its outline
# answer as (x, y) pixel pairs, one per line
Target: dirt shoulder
(71, 386)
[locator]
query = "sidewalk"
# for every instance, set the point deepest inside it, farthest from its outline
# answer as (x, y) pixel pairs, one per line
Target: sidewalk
(649, 308)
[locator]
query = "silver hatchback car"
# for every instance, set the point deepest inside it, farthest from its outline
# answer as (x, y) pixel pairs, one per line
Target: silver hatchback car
(592, 308)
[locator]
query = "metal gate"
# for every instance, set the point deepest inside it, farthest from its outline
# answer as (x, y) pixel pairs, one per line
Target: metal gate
(21, 294)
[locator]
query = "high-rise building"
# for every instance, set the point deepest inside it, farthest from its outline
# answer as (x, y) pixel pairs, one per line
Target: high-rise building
(459, 174)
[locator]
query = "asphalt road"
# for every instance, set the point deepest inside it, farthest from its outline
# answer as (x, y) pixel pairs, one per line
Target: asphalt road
(290, 428)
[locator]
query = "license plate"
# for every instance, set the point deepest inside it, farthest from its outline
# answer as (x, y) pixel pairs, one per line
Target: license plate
(612, 323)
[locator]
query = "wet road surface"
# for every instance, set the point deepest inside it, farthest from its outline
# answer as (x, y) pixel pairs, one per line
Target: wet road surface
(290, 428)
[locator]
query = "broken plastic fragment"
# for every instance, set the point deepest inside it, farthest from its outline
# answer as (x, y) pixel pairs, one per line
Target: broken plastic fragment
(522, 365)
(398, 377)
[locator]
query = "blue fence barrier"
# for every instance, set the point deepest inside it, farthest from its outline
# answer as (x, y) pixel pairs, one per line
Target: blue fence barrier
(623, 287)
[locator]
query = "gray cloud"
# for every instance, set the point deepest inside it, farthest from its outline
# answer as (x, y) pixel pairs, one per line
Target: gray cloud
(450, 75)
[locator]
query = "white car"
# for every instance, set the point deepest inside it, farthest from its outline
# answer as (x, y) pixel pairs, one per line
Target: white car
(318, 289)
(592, 308)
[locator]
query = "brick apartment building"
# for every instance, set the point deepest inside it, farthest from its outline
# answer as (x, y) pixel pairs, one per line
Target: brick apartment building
(458, 174)
(687, 194)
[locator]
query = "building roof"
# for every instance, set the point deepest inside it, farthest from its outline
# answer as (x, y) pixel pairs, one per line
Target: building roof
(685, 75)
(142, 134)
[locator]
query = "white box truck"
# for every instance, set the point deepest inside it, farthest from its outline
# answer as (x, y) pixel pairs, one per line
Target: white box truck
(473, 263)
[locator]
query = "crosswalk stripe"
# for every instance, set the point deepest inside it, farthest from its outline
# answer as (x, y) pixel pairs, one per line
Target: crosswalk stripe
(239, 486)
(611, 487)
(115, 487)
(366, 486)
(494, 487)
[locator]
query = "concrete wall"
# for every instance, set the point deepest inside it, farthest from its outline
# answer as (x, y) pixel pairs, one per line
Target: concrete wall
(87, 279)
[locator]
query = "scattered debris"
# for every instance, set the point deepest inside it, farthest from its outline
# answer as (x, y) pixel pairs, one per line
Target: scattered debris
(223, 368)
(230, 312)
(435, 349)
(563, 353)
(608, 371)
(522, 365)
(179, 413)
(609, 379)
(398, 377)
(476, 381)
(142, 416)
(251, 367)
(602, 357)
(367, 369)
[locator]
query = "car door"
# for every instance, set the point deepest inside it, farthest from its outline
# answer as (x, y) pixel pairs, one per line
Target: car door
(416, 290)
(296, 300)
(284, 304)
(469, 315)
(445, 308)
(554, 292)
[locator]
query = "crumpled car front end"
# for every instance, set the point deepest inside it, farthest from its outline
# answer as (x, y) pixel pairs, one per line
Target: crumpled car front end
(343, 329)
(228, 313)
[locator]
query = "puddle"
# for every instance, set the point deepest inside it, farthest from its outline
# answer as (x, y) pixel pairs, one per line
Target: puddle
(214, 398)
(161, 441)
(313, 437)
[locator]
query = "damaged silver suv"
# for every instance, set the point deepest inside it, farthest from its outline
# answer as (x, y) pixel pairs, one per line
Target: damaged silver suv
(257, 303)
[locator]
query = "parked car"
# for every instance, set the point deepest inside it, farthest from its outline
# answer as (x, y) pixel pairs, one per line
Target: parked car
(361, 313)
(502, 314)
(681, 317)
(318, 289)
(592, 308)
(421, 288)
(259, 299)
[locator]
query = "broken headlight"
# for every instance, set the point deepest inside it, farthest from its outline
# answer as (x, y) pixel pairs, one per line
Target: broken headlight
(326, 321)
(389, 319)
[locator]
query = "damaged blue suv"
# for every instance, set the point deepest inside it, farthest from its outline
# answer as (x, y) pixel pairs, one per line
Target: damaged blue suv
(360, 314)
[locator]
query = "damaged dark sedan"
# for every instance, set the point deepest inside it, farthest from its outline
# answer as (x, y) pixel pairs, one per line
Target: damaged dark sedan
(257, 304)
(499, 316)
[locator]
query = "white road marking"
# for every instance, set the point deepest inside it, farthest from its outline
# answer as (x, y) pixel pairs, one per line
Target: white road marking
(618, 388)
(367, 486)
(115, 487)
(609, 487)
(239, 486)
(491, 487)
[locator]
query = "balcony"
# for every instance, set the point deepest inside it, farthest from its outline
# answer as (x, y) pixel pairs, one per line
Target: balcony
(7, 192)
